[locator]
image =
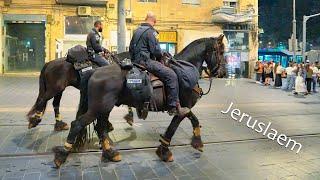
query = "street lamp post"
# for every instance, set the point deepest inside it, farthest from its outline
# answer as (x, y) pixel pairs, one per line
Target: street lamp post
(304, 43)
(121, 30)
(294, 31)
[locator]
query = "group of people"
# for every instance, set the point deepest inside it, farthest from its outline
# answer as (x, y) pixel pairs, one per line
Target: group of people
(297, 77)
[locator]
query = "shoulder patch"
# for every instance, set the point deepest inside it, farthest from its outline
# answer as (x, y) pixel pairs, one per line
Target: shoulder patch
(156, 35)
(97, 37)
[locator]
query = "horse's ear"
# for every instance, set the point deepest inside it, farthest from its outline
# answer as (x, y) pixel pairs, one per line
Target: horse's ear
(220, 38)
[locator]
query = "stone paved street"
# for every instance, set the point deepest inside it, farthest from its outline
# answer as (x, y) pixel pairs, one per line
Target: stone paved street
(232, 150)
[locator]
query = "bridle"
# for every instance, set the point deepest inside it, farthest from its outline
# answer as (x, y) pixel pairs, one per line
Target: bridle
(212, 55)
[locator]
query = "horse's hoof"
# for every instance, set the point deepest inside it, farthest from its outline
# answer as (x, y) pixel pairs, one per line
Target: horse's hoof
(60, 155)
(110, 155)
(164, 154)
(129, 119)
(61, 126)
(33, 122)
(197, 143)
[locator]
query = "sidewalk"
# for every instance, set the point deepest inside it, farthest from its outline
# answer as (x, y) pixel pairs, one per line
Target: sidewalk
(233, 151)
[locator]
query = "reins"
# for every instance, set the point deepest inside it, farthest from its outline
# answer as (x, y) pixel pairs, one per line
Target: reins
(203, 94)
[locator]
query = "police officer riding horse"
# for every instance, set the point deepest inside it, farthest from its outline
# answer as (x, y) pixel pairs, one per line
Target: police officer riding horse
(94, 47)
(145, 50)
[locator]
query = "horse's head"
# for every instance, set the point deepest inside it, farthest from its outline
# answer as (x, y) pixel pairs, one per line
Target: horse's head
(214, 56)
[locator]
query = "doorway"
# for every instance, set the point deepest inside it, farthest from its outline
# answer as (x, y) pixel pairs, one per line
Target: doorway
(24, 47)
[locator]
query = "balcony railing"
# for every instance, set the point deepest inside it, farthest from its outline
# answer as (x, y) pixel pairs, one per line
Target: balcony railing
(226, 14)
(83, 2)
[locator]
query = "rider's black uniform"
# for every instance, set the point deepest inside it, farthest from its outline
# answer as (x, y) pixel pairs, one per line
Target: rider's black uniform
(95, 49)
(145, 49)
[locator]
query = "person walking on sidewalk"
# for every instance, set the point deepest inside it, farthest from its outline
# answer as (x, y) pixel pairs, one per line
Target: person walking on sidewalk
(278, 79)
(309, 73)
(259, 70)
(289, 81)
(314, 77)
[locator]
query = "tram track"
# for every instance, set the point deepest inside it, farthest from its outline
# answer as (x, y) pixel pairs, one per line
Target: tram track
(247, 140)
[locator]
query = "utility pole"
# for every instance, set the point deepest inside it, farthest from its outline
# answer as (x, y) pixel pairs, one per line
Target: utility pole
(304, 43)
(294, 31)
(121, 30)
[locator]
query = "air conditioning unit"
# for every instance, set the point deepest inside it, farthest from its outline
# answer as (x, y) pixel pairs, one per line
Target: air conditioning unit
(7, 2)
(84, 10)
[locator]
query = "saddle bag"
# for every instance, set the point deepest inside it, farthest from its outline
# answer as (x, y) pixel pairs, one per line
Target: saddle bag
(77, 54)
(139, 86)
(188, 74)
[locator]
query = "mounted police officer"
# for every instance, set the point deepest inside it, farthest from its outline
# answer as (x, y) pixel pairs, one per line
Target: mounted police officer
(94, 47)
(145, 50)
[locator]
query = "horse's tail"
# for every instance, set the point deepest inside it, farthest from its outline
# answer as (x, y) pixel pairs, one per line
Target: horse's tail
(42, 90)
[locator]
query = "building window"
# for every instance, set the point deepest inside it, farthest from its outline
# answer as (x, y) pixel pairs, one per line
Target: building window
(193, 2)
(147, 0)
(230, 3)
(79, 25)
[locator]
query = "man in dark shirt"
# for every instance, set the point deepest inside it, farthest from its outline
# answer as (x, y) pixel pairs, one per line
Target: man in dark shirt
(94, 47)
(145, 50)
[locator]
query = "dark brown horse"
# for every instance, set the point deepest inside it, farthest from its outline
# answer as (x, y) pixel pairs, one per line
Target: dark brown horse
(55, 76)
(106, 89)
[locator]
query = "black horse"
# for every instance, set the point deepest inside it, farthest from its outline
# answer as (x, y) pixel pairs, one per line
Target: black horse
(106, 89)
(55, 76)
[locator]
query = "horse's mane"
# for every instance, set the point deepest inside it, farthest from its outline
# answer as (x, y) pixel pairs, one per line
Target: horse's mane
(193, 44)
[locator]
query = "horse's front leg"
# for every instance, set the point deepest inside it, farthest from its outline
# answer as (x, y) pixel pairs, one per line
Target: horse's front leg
(163, 150)
(103, 128)
(129, 117)
(196, 141)
(59, 125)
(77, 126)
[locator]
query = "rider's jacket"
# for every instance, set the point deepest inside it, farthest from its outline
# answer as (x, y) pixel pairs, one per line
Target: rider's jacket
(145, 41)
(94, 41)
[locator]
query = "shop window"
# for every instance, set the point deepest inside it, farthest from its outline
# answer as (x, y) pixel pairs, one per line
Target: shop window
(147, 0)
(237, 40)
(194, 2)
(79, 25)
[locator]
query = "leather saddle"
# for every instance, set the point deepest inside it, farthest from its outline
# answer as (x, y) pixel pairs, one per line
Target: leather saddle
(155, 81)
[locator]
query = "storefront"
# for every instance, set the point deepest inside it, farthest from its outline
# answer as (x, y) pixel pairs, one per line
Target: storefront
(168, 41)
(24, 42)
(238, 55)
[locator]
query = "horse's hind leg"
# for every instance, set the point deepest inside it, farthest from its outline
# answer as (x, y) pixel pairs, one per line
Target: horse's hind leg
(59, 125)
(163, 150)
(39, 108)
(196, 141)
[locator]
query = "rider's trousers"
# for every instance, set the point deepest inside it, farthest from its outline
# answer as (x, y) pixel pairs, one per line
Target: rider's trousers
(168, 77)
(100, 60)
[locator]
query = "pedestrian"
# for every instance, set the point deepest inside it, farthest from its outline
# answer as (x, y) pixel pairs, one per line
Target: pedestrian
(259, 70)
(300, 86)
(315, 76)
(263, 75)
(289, 79)
(268, 72)
(308, 74)
(317, 64)
(278, 79)
(272, 65)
